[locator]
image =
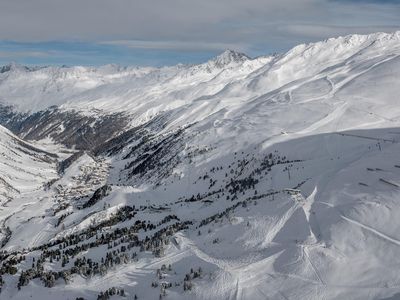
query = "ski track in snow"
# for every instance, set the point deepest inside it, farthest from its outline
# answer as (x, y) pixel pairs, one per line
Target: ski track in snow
(372, 230)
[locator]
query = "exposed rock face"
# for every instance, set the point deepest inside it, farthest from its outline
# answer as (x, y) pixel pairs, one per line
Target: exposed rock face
(70, 128)
(99, 194)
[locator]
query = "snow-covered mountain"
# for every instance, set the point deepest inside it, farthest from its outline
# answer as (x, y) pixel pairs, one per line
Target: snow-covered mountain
(268, 178)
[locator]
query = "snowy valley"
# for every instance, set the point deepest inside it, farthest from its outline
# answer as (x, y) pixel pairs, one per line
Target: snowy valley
(276, 177)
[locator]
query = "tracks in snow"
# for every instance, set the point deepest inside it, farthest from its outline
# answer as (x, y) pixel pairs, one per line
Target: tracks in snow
(372, 230)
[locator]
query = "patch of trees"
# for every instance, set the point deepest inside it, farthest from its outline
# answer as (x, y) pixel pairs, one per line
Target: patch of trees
(232, 208)
(66, 163)
(156, 156)
(241, 185)
(87, 267)
(187, 282)
(99, 194)
(113, 291)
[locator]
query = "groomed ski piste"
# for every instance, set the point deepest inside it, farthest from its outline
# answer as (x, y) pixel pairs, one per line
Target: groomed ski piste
(276, 177)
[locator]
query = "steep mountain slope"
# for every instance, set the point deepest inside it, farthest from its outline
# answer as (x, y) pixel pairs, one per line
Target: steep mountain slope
(275, 177)
(24, 167)
(25, 170)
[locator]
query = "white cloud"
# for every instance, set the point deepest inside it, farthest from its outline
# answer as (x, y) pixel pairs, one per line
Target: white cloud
(176, 45)
(18, 54)
(189, 24)
(318, 31)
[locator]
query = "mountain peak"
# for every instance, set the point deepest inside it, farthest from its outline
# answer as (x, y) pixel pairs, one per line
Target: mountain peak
(229, 56)
(10, 67)
(14, 66)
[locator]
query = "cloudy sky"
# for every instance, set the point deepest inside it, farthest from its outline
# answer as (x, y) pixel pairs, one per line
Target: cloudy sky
(165, 32)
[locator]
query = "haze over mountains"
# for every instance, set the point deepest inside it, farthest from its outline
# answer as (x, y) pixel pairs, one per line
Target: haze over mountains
(274, 177)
